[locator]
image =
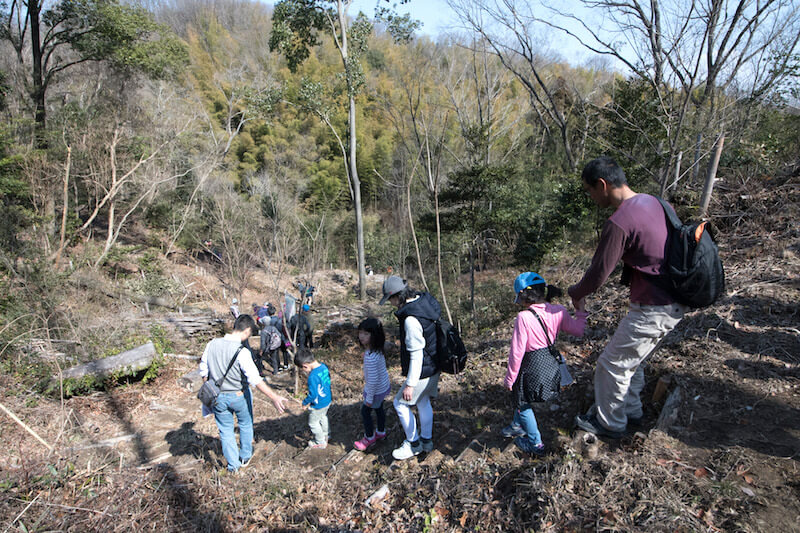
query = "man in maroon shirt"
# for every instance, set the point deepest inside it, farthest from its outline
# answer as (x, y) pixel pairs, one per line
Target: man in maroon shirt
(637, 234)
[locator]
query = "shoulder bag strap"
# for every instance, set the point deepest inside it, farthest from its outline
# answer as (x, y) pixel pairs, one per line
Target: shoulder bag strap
(550, 346)
(541, 323)
(220, 380)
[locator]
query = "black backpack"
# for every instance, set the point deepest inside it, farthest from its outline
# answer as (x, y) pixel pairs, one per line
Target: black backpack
(693, 274)
(451, 355)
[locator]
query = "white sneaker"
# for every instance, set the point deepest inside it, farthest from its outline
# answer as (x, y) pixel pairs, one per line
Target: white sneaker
(407, 450)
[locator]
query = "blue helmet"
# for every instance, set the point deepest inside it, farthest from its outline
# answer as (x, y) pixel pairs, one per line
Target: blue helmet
(525, 280)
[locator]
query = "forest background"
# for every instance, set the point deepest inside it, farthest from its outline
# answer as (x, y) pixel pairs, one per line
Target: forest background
(268, 138)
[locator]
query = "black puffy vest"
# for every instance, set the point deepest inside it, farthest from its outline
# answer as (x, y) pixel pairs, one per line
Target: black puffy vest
(427, 310)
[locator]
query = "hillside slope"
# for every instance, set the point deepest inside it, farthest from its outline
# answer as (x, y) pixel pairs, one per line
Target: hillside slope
(727, 457)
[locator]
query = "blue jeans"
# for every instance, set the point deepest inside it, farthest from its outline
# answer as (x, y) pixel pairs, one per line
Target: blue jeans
(524, 417)
(228, 404)
(366, 415)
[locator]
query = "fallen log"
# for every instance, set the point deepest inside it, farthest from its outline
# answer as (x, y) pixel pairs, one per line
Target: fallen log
(128, 362)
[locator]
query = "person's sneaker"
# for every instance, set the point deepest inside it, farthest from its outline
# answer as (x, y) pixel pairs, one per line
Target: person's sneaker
(407, 450)
(427, 445)
(317, 445)
(513, 430)
(246, 463)
(380, 435)
(365, 443)
(589, 423)
(525, 444)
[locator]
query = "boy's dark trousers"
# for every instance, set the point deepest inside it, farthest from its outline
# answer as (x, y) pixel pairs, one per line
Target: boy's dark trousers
(275, 359)
(272, 355)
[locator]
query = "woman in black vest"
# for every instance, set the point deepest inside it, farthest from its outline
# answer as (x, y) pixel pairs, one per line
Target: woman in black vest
(417, 313)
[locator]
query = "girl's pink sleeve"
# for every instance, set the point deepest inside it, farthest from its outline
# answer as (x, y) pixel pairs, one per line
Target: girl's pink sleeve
(573, 326)
(519, 340)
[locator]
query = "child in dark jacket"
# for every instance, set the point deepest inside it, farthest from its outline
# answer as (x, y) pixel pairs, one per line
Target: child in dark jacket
(319, 397)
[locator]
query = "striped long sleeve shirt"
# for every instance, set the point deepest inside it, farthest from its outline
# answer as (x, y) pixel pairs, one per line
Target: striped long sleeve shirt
(376, 377)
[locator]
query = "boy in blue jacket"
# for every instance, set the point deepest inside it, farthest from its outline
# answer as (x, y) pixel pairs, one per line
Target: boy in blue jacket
(318, 399)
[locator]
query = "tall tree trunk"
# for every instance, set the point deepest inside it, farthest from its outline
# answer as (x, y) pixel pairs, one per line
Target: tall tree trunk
(711, 176)
(38, 89)
(472, 281)
(40, 111)
(355, 182)
(439, 252)
(362, 274)
(414, 234)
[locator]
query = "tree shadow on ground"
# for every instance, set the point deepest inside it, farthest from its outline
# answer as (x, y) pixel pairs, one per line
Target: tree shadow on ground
(184, 506)
(715, 414)
(187, 441)
(776, 334)
(763, 370)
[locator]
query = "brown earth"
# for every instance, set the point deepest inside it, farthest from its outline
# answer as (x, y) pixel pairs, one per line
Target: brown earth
(728, 460)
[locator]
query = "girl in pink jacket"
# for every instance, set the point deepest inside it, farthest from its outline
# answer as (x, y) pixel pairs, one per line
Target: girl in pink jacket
(535, 328)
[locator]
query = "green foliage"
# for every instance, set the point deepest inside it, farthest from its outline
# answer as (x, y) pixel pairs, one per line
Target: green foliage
(561, 208)
(154, 285)
(634, 119)
(327, 188)
(400, 27)
(125, 35)
(295, 24)
(484, 203)
(150, 262)
(17, 206)
(161, 339)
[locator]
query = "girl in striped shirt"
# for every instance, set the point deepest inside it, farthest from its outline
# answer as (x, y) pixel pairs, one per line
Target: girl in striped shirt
(376, 382)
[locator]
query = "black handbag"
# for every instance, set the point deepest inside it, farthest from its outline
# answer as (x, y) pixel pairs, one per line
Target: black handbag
(543, 383)
(210, 390)
(563, 370)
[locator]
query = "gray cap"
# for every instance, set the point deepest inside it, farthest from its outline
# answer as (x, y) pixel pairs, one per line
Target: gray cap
(392, 286)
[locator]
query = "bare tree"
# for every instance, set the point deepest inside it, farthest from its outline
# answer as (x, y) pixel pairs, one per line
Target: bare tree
(479, 90)
(508, 27)
(700, 53)
(421, 120)
(235, 234)
(278, 238)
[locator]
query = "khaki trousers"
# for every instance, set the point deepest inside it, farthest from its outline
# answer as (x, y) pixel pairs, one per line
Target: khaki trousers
(619, 377)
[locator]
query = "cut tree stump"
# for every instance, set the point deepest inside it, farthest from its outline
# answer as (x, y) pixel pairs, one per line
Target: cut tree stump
(669, 413)
(476, 448)
(128, 362)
